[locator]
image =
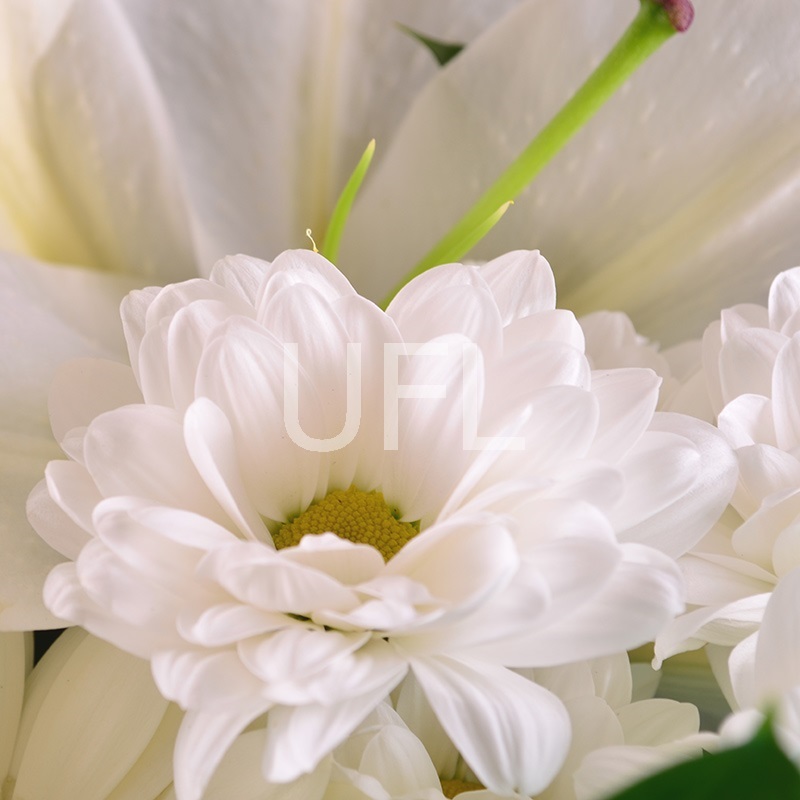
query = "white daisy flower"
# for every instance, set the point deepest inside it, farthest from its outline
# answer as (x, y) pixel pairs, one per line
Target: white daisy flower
(495, 505)
(751, 357)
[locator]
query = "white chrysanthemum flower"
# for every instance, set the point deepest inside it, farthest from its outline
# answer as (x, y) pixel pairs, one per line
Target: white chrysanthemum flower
(495, 505)
(752, 371)
(616, 740)
(613, 342)
(87, 722)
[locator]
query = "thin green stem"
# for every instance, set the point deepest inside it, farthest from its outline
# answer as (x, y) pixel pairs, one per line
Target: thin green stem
(333, 235)
(648, 31)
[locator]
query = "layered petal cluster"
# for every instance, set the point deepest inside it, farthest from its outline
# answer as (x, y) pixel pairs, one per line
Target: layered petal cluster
(292, 498)
(751, 366)
(617, 740)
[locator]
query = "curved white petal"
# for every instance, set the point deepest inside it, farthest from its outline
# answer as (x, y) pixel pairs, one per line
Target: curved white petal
(202, 742)
(298, 737)
(513, 734)
(678, 482)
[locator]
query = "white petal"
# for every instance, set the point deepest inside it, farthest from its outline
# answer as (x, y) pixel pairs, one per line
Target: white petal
(479, 553)
(778, 655)
(210, 444)
(726, 625)
(203, 740)
(298, 737)
(448, 299)
(713, 579)
(748, 419)
(755, 539)
(27, 559)
(270, 71)
(242, 372)
(140, 450)
(104, 177)
(12, 689)
(52, 524)
(763, 471)
(630, 609)
(226, 623)
(416, 479)
(627, 399)
(84, 388)
(50, 315)
(784, 299)
(210, 681)
(672, 512)
(255, 573)
(513, 734)
(522, 284)
(243, 275)
(239, 775)
(90, 713)
(651, 723)
(298, 653)
(785, 383)
(746, 362)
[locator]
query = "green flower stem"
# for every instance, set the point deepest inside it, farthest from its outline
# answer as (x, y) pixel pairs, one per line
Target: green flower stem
(333, 235)
(648, 31)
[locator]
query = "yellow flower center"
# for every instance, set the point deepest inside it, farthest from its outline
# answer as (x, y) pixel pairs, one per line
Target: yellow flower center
(360, 517)
(455, 787)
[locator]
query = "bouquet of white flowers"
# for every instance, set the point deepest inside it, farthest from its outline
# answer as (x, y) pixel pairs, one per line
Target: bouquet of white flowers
(353, 516)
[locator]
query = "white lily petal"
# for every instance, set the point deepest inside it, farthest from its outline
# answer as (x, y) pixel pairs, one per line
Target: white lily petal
(726, 180)
(298, 90)
(83, 388)
(105, 170)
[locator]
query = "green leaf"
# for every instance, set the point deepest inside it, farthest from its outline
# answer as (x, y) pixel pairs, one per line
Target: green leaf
(341, 211)
(758, 770)
(442, 51)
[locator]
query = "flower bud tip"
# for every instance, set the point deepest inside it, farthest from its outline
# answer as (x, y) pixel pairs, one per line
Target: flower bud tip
(680, 13)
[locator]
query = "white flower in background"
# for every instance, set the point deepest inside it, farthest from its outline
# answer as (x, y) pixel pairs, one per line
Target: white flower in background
(111, 159)
(86, 724)
(613, 342)
(752, 371)
(765, 673)
(616, 740)
(261, 575)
